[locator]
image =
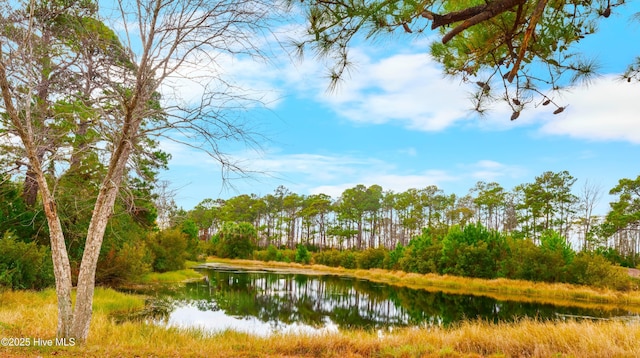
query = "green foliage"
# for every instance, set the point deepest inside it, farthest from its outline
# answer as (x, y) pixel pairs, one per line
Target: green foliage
(194, 249)
(25, 223)
(128, 264)
(24, 265)
(336, 258)
(422, 255)
(168, 248)
(236, 240)
(392, 260)
(372, 258)
(330, 258)
(594, 270)
(348, 260)
(270, 254)
(473, 251)
(617, 258)
(552, 242)
(528, 261)
(303, 256)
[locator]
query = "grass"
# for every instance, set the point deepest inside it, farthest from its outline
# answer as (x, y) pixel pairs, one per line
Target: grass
(500, 289)
(33, 315)
(173, 276)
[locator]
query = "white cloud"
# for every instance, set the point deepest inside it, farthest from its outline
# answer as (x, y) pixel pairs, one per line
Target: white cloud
(608, 109)
(405, 88)
(232, 80)
(393, 182)
(489, 170)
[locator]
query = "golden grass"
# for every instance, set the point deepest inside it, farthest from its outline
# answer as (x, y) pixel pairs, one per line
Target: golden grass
(33, 315)
(500, 289)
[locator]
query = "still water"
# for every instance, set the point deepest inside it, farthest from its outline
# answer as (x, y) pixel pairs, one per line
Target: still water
(263, 303)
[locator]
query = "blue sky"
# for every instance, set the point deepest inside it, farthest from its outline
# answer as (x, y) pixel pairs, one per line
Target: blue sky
(397, 122)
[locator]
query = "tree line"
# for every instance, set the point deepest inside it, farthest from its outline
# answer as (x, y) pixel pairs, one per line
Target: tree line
(371, 217)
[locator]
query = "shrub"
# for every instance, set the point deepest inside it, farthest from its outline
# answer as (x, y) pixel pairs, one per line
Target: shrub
(236, 240)
(286, 255)
(329, 258)
(348, 260)
(392, 261)
(594, 270)
(303, 256)
(473, 251)
(194, 249)
(169, 250)
(372, 258)
(127, 264)
(24, 264)
(422, 255)
(270, 254)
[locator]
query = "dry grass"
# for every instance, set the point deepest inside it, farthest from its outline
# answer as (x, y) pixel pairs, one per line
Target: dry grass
(33, 315)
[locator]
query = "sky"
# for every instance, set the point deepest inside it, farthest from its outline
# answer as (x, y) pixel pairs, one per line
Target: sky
(396, 121)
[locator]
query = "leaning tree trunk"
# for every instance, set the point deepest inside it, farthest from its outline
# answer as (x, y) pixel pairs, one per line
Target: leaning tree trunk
(60, 258)
(95, 234)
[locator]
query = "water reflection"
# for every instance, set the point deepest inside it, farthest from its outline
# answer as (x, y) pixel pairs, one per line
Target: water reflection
(267, 302)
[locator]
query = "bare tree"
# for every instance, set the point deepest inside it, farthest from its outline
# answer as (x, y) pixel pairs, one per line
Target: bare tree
(54, 51)
(590, 195)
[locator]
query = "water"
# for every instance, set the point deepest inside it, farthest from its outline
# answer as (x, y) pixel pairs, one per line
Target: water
(263, 303)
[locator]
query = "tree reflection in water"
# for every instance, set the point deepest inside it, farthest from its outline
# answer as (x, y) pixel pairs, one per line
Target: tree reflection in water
(267, 302)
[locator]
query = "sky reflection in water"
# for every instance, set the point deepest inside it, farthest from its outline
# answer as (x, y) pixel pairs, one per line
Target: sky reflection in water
(265, 303)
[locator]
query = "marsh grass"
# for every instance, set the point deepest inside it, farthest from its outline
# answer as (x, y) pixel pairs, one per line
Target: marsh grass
(171, 276)
(30, 314)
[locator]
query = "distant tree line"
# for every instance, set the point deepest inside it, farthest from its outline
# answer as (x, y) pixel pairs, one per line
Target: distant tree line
(371, 217)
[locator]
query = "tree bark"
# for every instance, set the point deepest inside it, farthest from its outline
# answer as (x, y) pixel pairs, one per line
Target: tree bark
(59, 254)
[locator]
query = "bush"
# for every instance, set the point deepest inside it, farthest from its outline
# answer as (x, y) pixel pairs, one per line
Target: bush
(473, 251)
(24, 265)
(372, 258)
(348, 260)
(303, 256)
(594, 270)
(422, 255)
(392, 261)
(127, 264)
(328, 258)
(270, 254)
(168, 248)
(194, 249)
(236, 240)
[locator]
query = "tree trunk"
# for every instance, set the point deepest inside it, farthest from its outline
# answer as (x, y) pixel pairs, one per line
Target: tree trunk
(60, 258)
(95, 236)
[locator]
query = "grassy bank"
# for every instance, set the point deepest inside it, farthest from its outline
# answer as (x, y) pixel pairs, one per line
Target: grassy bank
(32, 315)
(171, 276)
(500, 289)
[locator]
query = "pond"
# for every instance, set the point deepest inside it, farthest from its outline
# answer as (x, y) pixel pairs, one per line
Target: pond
(265, 302)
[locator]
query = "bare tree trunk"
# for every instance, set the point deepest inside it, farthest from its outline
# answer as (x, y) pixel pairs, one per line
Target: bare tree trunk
(95, 236)
(61, 267)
